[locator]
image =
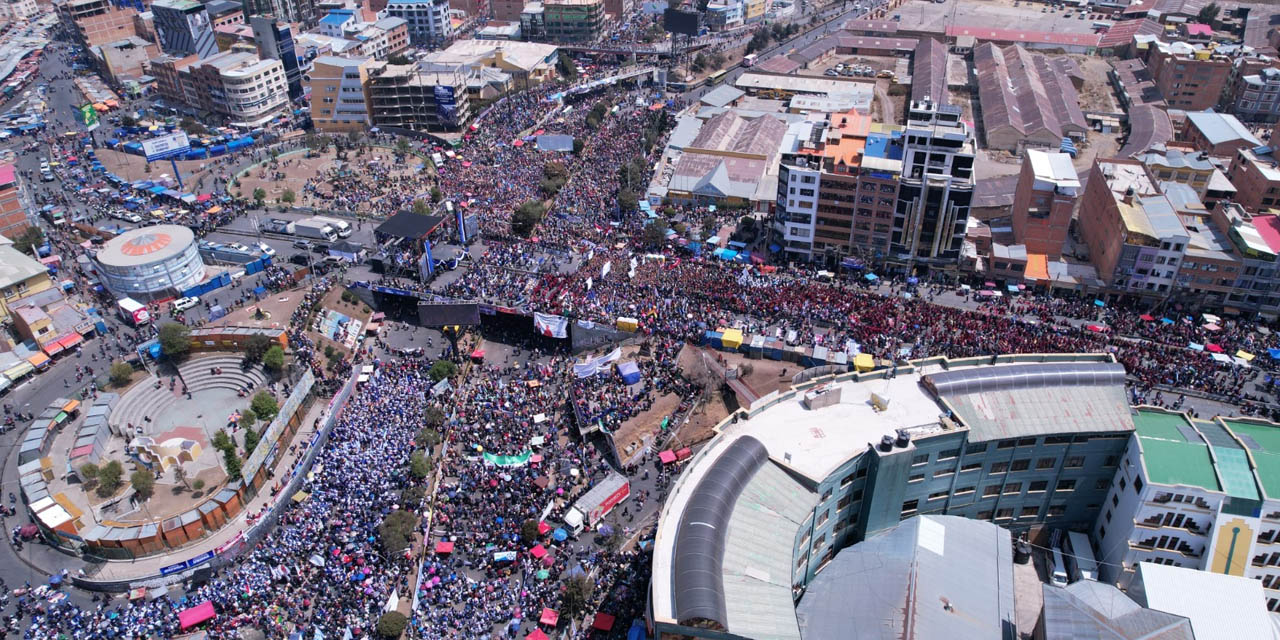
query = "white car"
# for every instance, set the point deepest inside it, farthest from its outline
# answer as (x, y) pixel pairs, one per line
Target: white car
(266, 249)
(182, 304)
(132, 217)
(236, 246)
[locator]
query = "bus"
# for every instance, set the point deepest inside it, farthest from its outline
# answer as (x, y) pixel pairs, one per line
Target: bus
(749, 60)
(1080, 557)
(717, 77)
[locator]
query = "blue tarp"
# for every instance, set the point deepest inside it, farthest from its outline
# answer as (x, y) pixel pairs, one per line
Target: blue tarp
(872, 277)
(1274, 353)
(629, 371)
(1099, 303)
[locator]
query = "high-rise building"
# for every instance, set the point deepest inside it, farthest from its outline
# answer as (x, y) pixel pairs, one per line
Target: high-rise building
(573, 20)
(428, 20)
(408, 97)
(13, 216)
(935, 189)
(1048, 188)
(275, 42)
(299, 11)
(184, 28)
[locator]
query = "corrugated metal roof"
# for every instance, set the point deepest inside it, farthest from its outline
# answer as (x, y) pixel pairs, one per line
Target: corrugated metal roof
(929, 577)
(1036, 399)
(1148, 126)
(1220, 607)
(1218, 128)
(929, 71)
(1029, 92)
(1089, 609)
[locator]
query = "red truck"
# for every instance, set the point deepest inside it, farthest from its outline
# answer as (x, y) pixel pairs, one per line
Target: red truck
(597, 502)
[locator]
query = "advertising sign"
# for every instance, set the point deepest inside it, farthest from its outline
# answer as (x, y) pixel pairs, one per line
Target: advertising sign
(87, 116)
(165, 146)
(446, 106)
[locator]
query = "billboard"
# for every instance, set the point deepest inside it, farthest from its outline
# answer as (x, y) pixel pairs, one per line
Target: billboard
(165, 146)
(87, 116)
(447, 314)
(446, 106)
(687, 23)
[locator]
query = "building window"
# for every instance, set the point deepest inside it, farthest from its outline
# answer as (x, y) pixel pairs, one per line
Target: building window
(822, 519)
(1100, 485)
(1022, 465)
(999, 467)
(975, 449)
(948, 454)
(1027, 442)
(1046, 463)
(1137, 486)
(1057, 510)
(971, 466)
(1066, 485)
(919, 477)
(1013, 488)
(920, 459)
(991, 490)
(1029, 512)
(1004, 514)
(984, 515)
(1006, 444)
(910, 506)
(1038, 486)
(937, 495)
(1074, 462)
(962, 491)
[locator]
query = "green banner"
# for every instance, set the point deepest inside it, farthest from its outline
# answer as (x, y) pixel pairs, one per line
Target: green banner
(509, 461)
(87, 115)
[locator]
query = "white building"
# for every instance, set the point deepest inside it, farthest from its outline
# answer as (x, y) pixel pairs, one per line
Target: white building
(1199, 494)
(799, 178)
(17, 10)
(255, 90)
(428, 20)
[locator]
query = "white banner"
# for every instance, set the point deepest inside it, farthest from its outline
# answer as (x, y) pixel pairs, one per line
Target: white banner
(595, 365)
(162, 146)
(604, 271)
(551, 326)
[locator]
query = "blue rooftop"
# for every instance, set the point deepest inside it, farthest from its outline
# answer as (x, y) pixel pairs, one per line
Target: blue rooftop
(337, 18)
(880, 145)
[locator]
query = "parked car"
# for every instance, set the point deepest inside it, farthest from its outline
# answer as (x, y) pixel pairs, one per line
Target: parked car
(300, 259)
(266, 249)
(301, 244)
(182, 304)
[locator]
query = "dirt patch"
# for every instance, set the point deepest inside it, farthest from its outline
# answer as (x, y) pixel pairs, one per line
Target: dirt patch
(132, 167)
(1097, 93)
(701, 424)
(639, 432)
(293, 171)
(172, 499)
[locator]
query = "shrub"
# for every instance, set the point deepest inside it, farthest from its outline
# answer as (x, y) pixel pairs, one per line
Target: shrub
(120, 374)
(419, 465)
(197, 485)
(144, 484)
(223, 442)
(442, 369)
(109, 478)
(251, 438)
(273, 359)
(175, 339)
(256, 346)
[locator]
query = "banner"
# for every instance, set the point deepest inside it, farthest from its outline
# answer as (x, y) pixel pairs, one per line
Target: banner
(551, 326)
(604, 271)
(504, 556)
(595, 365)
(509, 461)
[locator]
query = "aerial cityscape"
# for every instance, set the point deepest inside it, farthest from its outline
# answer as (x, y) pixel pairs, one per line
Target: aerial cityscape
(601, 319)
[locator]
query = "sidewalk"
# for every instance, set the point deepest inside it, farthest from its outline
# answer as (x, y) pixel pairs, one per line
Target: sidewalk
(149, 567)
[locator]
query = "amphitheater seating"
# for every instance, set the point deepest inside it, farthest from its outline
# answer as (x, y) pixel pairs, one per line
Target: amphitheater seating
(146, 400)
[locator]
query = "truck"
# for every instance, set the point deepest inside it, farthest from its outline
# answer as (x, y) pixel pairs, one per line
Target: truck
(749, 60)
(597, 502)
(276, 225)
(315, 229)
(133, 312)
(343, 227)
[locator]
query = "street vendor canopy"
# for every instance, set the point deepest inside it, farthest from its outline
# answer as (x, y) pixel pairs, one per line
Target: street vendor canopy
(195, 615)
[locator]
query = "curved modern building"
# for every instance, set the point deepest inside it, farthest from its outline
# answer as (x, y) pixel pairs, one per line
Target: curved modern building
(765, 507)
(151, 262)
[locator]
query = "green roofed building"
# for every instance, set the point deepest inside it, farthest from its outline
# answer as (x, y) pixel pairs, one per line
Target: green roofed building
(1194, 493)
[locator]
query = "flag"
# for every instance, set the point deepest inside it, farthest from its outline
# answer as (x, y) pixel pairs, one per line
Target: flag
(589, 284)
(604, 271)
(551, 326)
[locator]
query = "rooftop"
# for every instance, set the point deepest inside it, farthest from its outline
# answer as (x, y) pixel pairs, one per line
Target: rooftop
(1090, 609)
(1149, 125)
(1220, 607)
(1053, 168)
(16, 266)
(524, 55)
(1262, 440)
(1173, 452)
(1219, 128)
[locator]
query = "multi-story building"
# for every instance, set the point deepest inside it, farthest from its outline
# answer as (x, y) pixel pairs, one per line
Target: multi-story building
(407, 97)
(337, 88)
(573, 21)
(236, 86)
(617, 9)
(507, 10)
(837, 460)
(1191, 77)
(533, 21)
(336, 22)
(13, 215)
(1207, 276)
(837, 189)
(1256, 240)
(1196, 493)
(224, 12)
(126, 59)
(1217, 134)
(299, 11)
(528, 63)
(275, 42)
(1136, 240)
(935, 189)
(1256, 98)
(20, 277)
(1255, 173)
(184, 28)
(1047, 192)
(19, 10)
(753, 10)
(427, 20)
(98, 22)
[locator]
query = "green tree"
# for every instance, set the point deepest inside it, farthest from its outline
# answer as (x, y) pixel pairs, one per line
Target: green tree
(568, 70)
(442, 369)
(144, 484)
(264, 404)
(128, 121)
(198, 485)
(273, 360)
(256, 347)
(31, 238)
(526, 218)
(655, 233)
(248, 417)
(251, 439)
(395, 531)
(427, 438)
(419, 465)
(109, 478)
(578, 591)
(436, 195)
(175, 339)
(577, 146)
(399, 58)
(231, 462)
(627, 201)
(392, 624)
(180, 475)
(402, 146)
(223, 442)
(529, 531)
(89, 475)
(259, 195)
(1209, 13)
(700, 62)
(421, 207)
(411, 498)
(288, 197)
(120, 373)
(434, 418)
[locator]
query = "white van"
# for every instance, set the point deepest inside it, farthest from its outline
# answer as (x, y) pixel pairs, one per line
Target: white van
(1058, 572)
